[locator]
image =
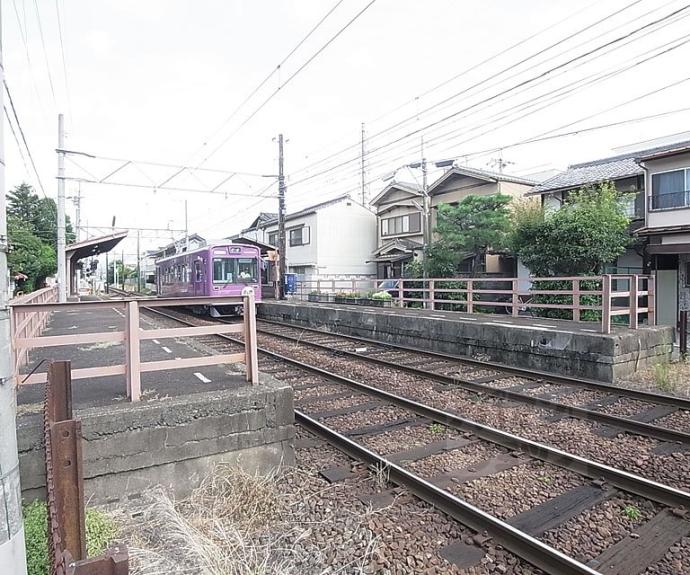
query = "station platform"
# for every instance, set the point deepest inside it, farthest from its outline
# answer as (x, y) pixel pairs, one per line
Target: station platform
(108, 390)
(577, 349)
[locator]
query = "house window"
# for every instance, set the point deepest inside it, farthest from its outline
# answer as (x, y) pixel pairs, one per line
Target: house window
(273, 238)
(411, 223)
(299, 236)
(670, 190)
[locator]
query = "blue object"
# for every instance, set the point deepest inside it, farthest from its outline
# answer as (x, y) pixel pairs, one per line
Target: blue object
(290, 283)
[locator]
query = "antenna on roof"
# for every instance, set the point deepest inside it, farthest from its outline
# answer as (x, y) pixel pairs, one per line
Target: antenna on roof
(499, 162)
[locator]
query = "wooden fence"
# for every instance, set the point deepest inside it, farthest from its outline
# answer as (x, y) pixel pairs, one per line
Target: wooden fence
(26, 338)
(608, 295)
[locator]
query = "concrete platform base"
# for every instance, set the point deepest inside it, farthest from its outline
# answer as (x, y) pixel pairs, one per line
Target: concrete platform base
(129, 448)
(561, 347)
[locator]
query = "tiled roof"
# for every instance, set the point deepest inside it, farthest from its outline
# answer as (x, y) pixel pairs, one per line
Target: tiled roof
(480, 174)
(611, 168)
(591, 173)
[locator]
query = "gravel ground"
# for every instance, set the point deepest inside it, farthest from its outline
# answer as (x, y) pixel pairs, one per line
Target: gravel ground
(675, 562)
(378, 416)
(408, 438)
(625, 407)
(679, 420)
(518, 489)
(315, 405)
(581, 398)
(630, 452)
(466, 456)
(590, 533)
(311, 393)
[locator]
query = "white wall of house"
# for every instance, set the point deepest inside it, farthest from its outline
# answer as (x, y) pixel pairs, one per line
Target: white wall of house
(346, 240)
(674, 216)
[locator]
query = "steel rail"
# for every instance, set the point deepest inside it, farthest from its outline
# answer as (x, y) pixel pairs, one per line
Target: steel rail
(624, 480)
(660, 398)
(523, 545)
(630, 425)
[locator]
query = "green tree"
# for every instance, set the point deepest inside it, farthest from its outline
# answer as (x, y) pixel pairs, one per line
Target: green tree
(469, 229)
(39, 215)
(587, 233)
(29, 255)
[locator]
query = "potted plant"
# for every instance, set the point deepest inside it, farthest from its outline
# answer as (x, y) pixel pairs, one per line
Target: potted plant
(313, 296)
(381, 299)
(354, 298)
(341, 297)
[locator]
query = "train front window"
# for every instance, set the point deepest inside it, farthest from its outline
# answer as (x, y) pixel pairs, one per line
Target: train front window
(246, 270)
(223, 270)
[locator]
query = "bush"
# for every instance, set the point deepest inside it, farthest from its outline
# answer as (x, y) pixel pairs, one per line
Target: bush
(381, 295)
(100, 532)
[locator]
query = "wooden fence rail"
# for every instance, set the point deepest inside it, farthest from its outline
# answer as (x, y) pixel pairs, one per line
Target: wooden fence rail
(25, 339)
(628, 295)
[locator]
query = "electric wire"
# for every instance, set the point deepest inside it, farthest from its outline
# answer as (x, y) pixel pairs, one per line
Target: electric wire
(45, 52)
(286, 82)
(64, 60)
(21, 131)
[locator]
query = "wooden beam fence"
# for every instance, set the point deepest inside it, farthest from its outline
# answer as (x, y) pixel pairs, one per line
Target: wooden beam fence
(614, 295)
(132, 336)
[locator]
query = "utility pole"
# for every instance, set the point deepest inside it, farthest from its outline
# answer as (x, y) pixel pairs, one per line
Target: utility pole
(77, 212)
(61, 263)
(12, 553)
(364, 183)
(186, 228)
(427, 214)
(281, 220)
(139, 260)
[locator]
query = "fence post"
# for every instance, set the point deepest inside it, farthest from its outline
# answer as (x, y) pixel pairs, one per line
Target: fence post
(431, 295)
(133, 358)
(470, 296)
(64, 467)
(651, 299)
(606, 303)
(576, 300)
(515, 298)
(251, 358)
(634, 303)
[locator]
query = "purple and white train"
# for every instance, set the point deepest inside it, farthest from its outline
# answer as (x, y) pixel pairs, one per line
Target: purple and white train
(218, 270)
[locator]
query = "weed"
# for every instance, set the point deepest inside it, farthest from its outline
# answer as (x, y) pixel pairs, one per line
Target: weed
(381, 476)
(632, 512)
(545, 479)
(436, 428)
(100, 531)
(662, 376)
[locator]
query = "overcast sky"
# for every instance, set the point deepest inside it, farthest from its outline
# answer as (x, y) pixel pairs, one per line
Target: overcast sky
(156, 80)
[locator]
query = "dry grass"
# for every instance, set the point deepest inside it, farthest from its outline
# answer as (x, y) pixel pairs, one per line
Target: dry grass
(666, 377)
(239, 524)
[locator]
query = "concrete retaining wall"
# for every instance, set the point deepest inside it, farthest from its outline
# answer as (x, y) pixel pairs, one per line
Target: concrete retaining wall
(129, 448)
(576, 353)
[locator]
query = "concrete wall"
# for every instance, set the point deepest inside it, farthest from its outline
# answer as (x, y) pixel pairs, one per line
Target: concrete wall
(129, 448)
(562, 351)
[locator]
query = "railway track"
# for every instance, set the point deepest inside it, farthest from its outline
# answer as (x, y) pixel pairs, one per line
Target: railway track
(557, 510)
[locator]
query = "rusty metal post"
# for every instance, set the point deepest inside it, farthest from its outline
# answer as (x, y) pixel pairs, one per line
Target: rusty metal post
(683, 332)
(133, 359)
(64, 472)
(651, 299)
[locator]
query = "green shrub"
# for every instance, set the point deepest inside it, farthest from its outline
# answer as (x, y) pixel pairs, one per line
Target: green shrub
(100, 532)
(381, 295)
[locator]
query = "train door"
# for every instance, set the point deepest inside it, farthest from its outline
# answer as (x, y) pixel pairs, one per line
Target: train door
(199, 278)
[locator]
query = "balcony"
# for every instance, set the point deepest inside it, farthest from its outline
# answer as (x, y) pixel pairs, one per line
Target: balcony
(670, 201)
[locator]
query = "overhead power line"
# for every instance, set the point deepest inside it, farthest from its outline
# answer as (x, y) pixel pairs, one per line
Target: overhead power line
(286, 82)
(64, 60)
(21, 132)
(501, 93)
(485, 87)
(270, 74)
(45, 51)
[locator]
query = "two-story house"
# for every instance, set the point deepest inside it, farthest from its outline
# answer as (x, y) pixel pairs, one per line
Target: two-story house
(399, 232)
(461, 181)
(667, 226)
(628, 178)
(330, 240)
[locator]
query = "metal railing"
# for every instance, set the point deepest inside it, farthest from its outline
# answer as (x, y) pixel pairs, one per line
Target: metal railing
(608, 295)
(132, 335)
(680, 199)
